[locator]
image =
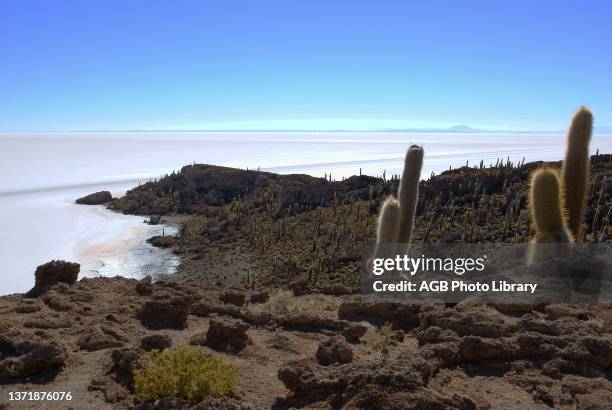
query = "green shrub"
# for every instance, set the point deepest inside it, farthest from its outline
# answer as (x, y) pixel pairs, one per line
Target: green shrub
(183, 373)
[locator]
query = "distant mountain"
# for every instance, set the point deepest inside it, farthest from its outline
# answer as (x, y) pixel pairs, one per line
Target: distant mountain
(456, 128)
(463, 128)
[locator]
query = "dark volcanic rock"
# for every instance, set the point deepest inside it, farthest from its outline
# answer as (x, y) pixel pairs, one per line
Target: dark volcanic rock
(227, 334)
(169, 306)
(299, 287)
(197, 189)
(166, 241)
(260, 297)
(234, 297)
(97, 198)
(112, 391)
(337, 289)
(159, 342)
(25, 358)
(144, 287)
(305, 321)
(401, 315)
(479, 320)
(204, 309)
(28, 306)
(334, 350)
(98, 338)
(52, 273)
(316, 382)
(154, 219)
(164, 314)
(199, 339)
(125, 361)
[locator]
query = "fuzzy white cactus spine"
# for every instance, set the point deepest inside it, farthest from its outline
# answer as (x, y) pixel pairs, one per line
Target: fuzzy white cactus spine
(409, 192)
(386, 233)
(577, 168)
(547, 216)
(545, 200)
(387, 221)
(396, 219)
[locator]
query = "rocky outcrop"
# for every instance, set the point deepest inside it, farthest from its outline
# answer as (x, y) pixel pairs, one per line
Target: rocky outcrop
(297, 321)
(226, 334)
(206, 308)
(144, 287)
(158, 342)
(303, 321)
(168, 307)
(481, 336)
(163, 241)
(22, 357)
(334, 350)
(400, 315)
(362, 383)
(234, 297)
(100, 337)
(198, 188)
(97, 198)
(112, 391)
(164, 314)
(154, 220)
(259, 297)
(52, 273)
(299, 287)
(338, 289)
(125, 361)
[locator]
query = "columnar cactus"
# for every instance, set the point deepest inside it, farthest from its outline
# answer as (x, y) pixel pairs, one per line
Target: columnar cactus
(557, 202)
(396, 219)
(387, 221)
(546, 199)
(409, 192)
(577, 168)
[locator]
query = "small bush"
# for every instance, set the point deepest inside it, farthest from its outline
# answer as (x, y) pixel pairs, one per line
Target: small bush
(281, 302)
(193, 227)
(381, 338)
(183, 373)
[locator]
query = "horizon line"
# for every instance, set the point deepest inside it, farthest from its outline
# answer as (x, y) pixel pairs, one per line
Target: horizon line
(453, 130)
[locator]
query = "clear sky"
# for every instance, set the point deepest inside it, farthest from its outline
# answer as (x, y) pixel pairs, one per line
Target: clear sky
(314, 64)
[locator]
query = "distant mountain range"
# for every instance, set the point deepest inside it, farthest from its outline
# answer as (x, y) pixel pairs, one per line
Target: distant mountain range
(468, 129)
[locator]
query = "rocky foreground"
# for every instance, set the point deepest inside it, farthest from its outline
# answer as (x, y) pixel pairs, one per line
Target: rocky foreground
(302, 347)
(270, 265)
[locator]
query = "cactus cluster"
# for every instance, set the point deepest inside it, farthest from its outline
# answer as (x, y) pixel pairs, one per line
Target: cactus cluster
(557, 199)
(397, 215)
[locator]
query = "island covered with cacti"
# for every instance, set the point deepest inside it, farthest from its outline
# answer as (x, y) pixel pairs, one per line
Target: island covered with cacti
(265, 310)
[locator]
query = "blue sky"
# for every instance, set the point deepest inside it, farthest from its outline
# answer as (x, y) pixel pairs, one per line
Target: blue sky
(228, 64)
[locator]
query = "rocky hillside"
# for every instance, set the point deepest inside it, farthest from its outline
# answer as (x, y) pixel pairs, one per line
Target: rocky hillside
(202, 189)
(262, 229)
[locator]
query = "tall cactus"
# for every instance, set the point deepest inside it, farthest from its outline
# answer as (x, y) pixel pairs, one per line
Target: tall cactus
(409, 192)
(557, 201)
(547, 215)
(396, 219)
(387, 221)
(545, 201)
(576, 168)
(387, 226)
